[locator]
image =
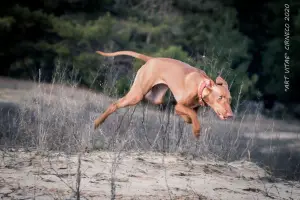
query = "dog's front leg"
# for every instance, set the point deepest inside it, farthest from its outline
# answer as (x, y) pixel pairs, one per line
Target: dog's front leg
(180, 108)
(185, 117)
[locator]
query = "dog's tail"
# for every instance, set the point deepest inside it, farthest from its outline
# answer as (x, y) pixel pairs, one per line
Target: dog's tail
(128, 53)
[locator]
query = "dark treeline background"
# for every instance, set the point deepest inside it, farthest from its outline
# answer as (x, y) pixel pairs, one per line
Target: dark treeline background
(243, 39)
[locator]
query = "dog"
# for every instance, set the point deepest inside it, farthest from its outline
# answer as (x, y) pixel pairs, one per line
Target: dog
(190, 86)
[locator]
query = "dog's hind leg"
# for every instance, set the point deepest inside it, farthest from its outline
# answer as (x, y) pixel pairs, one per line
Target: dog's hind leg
(133, 97)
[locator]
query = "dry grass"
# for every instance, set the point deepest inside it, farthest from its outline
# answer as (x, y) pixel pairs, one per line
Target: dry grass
(59, 117)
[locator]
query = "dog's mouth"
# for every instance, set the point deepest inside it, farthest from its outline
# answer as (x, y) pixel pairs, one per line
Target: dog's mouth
(222, 117)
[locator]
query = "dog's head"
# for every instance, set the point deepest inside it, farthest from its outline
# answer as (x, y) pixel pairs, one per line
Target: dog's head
(218, 98)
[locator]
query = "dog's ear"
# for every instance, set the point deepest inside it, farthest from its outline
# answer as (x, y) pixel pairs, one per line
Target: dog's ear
(206, 84)
(221, 81)
(206, 92)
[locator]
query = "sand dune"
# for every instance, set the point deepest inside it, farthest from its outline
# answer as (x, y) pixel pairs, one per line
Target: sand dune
(138, 176)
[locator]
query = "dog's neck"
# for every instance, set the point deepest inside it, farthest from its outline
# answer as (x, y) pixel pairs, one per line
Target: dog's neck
(205, 87)
(204, 90)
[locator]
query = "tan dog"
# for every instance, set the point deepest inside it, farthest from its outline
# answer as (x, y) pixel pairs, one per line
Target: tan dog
(190, 86)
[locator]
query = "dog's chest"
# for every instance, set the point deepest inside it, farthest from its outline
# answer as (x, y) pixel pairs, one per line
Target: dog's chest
(193, 102)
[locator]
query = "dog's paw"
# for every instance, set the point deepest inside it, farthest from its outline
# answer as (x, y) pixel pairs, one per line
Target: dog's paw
(96, 124)
(187, 119)
(196, 132)
(197, 135)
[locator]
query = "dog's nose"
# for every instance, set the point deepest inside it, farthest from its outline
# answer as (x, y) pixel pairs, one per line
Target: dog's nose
(229, 115)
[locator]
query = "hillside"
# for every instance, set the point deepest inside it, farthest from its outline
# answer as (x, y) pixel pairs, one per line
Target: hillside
(44, 127)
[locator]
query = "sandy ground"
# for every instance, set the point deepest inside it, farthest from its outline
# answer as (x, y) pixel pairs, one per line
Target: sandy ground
(138, 176)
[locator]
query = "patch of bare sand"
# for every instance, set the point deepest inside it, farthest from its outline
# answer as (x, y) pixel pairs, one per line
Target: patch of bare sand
(138, 176)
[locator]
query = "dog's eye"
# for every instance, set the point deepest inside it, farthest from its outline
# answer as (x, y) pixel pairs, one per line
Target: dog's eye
(220, 97)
